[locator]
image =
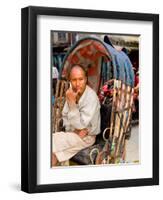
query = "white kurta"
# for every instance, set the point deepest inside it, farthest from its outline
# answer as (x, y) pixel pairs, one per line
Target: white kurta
(86, 114)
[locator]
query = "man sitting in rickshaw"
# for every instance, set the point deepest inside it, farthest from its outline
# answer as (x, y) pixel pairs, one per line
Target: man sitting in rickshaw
(81, 118)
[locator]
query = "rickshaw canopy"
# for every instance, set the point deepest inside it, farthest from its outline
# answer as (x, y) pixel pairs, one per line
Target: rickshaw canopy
(100, 59)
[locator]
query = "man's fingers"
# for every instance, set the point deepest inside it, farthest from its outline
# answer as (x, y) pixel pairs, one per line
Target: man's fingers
(83, 133)
(77, 93)
(69, 90)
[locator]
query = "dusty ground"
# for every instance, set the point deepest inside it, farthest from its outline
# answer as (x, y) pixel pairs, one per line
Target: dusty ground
(133, 146)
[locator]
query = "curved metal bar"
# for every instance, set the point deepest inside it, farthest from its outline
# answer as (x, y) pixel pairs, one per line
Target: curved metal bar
(91, 153)
(103, 134)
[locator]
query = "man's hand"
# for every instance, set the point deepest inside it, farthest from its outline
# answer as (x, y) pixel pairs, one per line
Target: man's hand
(71, 97)
(82, 133)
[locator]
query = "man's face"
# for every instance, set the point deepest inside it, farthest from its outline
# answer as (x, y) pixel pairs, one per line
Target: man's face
(78, 80)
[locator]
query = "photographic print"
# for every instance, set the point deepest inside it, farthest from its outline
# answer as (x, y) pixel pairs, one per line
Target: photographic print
(95, 98)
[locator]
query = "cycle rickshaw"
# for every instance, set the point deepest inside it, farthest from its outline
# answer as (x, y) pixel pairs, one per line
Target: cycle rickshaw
(111, 75)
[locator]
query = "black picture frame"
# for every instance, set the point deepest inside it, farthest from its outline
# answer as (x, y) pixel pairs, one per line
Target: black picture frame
(29, 98)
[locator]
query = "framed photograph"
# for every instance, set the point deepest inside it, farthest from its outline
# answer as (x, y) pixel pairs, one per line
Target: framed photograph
(90, 99)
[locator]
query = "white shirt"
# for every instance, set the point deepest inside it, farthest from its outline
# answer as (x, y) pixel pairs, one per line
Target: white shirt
(86, 114)
(55, 73)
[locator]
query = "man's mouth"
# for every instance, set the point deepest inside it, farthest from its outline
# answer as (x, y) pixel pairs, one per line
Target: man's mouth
(77, 89)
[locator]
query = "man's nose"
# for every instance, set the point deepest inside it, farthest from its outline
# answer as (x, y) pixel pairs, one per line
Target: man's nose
(77, 83)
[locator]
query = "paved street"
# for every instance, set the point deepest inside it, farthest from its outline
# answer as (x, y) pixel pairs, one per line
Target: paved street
(132, 154)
